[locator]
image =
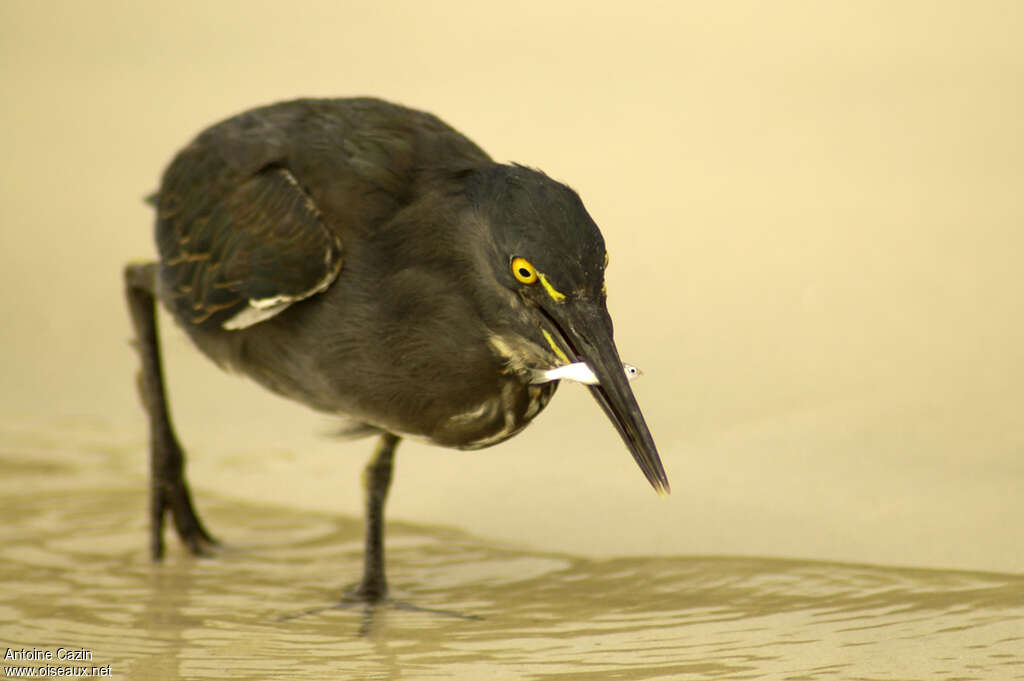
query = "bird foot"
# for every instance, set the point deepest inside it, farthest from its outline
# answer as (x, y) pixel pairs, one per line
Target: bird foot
(371, 608)
(369, 591)
(171, 497)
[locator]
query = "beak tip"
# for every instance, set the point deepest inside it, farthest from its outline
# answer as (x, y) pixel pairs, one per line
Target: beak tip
(661, 487)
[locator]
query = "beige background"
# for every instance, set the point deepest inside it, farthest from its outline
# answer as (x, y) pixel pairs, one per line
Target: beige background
(813, 212)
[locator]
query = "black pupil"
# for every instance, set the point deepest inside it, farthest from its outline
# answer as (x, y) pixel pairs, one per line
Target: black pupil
(524, 273)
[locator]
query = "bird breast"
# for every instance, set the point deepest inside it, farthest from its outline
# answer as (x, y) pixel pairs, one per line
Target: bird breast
(497, 417)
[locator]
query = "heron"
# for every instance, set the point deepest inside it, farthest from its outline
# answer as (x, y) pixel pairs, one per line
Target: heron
(369, 261)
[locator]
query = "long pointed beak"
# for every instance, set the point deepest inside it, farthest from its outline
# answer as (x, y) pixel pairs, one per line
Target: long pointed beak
(587, 329)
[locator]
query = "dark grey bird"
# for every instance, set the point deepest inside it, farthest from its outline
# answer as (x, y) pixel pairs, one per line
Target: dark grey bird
(369, 261)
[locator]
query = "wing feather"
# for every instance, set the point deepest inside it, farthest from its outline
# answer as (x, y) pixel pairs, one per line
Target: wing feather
(236, 256)
(251, 216)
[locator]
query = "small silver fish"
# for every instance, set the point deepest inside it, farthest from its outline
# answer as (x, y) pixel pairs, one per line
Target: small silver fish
(579, 372)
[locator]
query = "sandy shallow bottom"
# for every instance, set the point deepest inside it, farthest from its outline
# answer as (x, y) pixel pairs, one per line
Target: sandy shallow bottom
(75, 575)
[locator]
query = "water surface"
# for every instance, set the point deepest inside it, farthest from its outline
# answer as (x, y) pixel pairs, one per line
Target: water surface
(75, 574)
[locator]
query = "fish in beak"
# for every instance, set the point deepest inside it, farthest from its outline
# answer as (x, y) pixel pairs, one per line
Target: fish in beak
(585, 329)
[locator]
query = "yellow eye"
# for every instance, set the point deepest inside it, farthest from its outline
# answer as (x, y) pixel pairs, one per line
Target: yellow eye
(523, 271)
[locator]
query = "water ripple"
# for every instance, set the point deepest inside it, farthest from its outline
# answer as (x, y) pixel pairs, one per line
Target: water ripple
(75, 574)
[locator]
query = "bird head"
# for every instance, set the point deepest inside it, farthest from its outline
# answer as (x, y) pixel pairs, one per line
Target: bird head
(547, 258)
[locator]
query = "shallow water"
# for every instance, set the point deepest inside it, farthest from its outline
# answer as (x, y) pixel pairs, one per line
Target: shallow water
(76, 575)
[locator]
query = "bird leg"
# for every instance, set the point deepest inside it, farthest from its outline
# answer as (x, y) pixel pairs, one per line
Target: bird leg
(168, 492)
(376, 480)
(373, 588)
